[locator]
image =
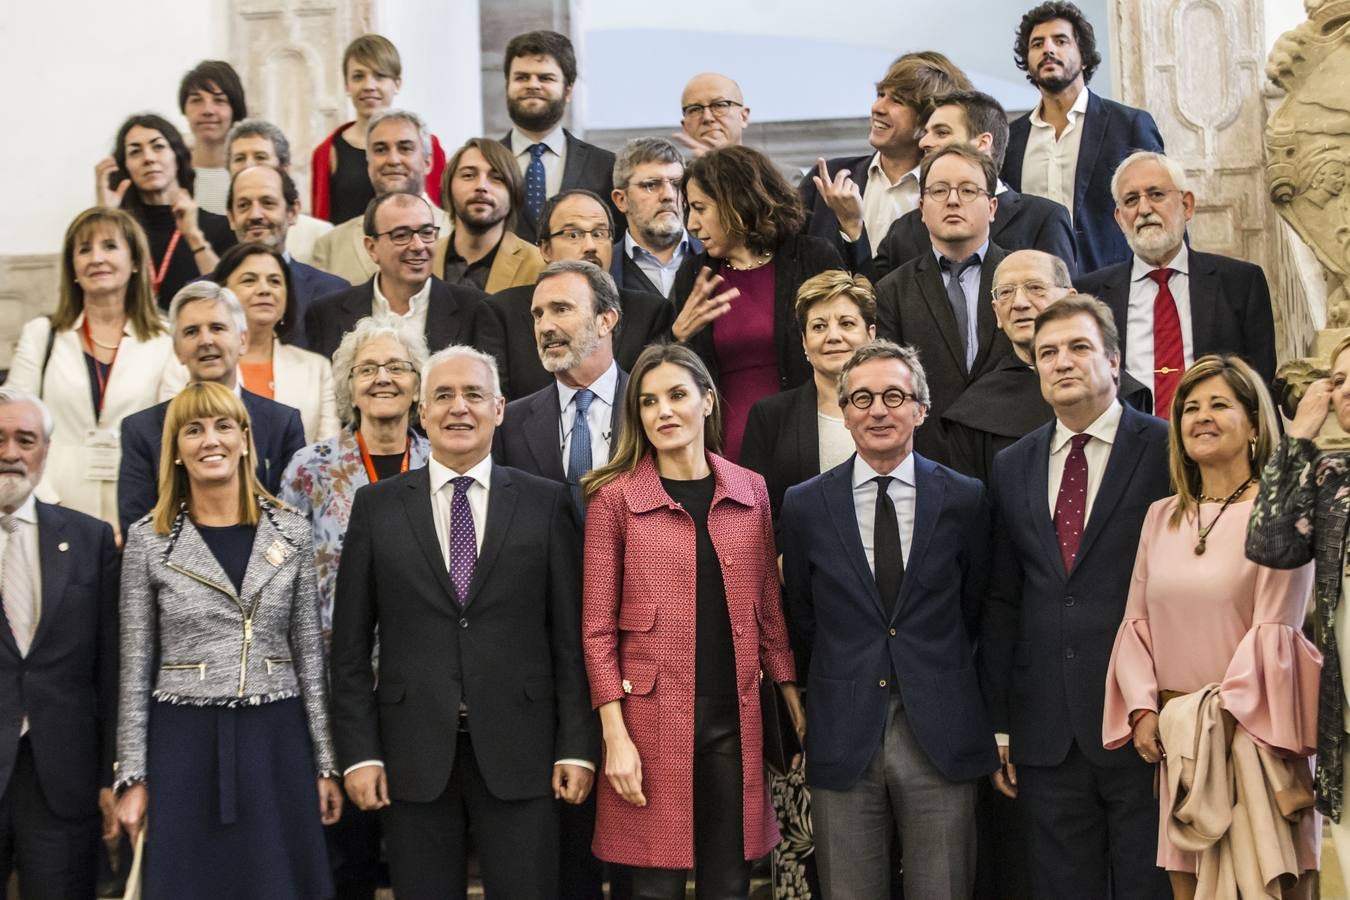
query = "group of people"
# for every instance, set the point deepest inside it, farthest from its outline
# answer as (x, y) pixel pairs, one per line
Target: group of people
(533, 498)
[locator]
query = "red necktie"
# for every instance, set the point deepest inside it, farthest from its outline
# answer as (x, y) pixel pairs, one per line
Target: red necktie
(1071, 504)
(1169, 353)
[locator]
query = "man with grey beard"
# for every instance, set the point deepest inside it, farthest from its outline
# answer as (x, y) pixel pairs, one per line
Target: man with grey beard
(1173, 304)
(655, 253)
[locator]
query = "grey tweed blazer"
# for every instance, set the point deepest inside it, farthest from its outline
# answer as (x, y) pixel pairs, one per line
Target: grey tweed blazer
(188, 637)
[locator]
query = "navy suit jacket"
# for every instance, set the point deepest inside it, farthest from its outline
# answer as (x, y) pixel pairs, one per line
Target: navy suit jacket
(1111, 132)
(309, 285)
(587, 166)
(67, 684)
(1046, 636)
(823, 223)
(277, 435)
(1230, 307)
(849, 647)
(530, 436)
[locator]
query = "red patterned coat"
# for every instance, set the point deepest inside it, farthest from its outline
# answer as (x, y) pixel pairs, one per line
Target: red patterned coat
(638, 627)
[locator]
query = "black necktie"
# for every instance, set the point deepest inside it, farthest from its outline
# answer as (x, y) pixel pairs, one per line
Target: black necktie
(888, 560)
(957, 297)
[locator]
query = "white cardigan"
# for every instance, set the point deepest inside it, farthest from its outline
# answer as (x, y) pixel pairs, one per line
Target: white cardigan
(131, 387)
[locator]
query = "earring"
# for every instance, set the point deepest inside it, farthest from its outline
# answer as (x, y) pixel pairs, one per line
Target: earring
(246, 451)
(1251, 450)
(177, 462)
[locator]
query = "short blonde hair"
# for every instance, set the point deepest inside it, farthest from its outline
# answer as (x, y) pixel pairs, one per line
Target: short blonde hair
(835, 283)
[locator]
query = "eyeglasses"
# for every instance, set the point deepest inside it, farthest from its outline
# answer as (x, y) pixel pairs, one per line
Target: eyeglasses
(1035, 290)
(393, 368)
(403, 235)
(577, 235)
(1155, 196)
(894, 398)
(471, 397)
(966, 192)
(656, 185)
(719, 108)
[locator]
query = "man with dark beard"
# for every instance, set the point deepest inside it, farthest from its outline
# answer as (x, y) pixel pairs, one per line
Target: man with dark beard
(655, 253)
(541, 68)
(577, 226)
(1057, 49)
(483, 190)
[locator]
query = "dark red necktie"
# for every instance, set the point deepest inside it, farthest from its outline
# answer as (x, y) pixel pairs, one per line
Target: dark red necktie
(1071, 504)
(1169, 353)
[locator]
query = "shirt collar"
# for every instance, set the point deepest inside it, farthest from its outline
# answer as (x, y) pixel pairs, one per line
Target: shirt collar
(632, 248)
(415, 303)
(481, 472)
(903, 473)
(602, 387)
(981, 252)
(1181, 262)
(1078, 109)
(874, 170)
(1000, 187)
(555, 141)
(1103, 428)
(27, 511)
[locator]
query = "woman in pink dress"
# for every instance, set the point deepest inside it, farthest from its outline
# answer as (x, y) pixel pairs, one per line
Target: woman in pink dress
(1200, 613)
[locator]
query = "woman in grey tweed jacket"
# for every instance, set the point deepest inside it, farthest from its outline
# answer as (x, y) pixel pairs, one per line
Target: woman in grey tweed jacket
(223, 702)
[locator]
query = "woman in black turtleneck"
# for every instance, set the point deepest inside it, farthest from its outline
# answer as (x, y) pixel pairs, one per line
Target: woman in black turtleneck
(150, 175)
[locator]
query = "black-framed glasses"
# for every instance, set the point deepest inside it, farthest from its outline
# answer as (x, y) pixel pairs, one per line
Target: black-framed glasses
(965, 191)
(1035, 290)
(393, 368)
(893, 398)
(1155, 196)
(576, 235)
(403, 235)
(656, 185)
(719, 108)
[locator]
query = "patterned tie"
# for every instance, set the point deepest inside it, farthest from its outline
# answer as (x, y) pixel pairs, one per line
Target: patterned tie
(16, 586)
(957, 297)
(1169, 353)
(579, 452)
(888, 559)
(536, 189)
(463, 538)
(1071, 504)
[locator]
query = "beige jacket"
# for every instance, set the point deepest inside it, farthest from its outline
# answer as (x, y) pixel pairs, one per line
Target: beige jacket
(517, 262)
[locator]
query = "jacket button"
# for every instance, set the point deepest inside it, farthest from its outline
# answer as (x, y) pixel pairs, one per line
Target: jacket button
(627, 686)
(892, 632)
(463, 623)
(1069, 601)
(881, 683)
(1068, 653)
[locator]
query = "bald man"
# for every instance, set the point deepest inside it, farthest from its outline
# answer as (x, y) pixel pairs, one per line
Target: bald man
(712, 113)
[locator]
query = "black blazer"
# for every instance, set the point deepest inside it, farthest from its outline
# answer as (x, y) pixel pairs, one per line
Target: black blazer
(782, 440)
(628, 274)
(310, 284)
(821, 221)
(511, 653)
(849, 647)
(277, 433)
(67, 684)
(798, 258)
(1046, 637)
(1111, 132)
(530, 436)
(1021, 222)
(451, 315)
(912, 308)
(587, 166)
(506, 330)
(1230, 307)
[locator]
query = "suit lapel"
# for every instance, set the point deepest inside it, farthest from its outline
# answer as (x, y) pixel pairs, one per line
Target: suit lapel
(986, 327)
(1018, 132)
(1038, 492)
(1009, 208)
(442, 316)
(501, 507)
(805, 427)
(1089, 148)
(54, 562)
(421, 520)
(616, 420)
(541, 434)
(575, 164)
(837, 486)
(929, 278)
(270, 552)
(858, 172)
(1126, 452)
(191, 556)
(1204, 287)
(358, 305)
(929, 491)
(1117, 296)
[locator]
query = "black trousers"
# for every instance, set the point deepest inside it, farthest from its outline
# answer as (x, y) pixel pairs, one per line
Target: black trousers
(721, 871)
(516, 840)
(56, 857)
(354, 853)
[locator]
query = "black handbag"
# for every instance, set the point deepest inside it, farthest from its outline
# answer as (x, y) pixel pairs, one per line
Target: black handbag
(780, 735)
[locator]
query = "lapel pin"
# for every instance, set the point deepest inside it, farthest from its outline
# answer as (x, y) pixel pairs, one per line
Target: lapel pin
(276, 554)
(63, 546)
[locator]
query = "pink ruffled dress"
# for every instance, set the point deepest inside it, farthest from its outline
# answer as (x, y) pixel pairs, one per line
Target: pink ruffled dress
(1219, 618)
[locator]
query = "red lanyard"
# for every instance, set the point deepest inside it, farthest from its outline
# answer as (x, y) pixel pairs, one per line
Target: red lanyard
(98, 371)
(159, 273)
(370, 465)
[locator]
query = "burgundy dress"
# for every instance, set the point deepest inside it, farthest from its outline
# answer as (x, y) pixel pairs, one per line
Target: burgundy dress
(747, 358)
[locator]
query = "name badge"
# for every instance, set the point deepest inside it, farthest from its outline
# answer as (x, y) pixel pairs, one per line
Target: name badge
(103, 448)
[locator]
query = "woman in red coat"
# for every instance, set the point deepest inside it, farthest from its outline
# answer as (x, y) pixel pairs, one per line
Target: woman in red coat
(682, 614)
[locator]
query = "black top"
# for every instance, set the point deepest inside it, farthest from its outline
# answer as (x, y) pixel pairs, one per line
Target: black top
(349, 187)
(714, 653)
(470, 274)
(387, 465)
(159, 225)
(231, 545)
(99, 373)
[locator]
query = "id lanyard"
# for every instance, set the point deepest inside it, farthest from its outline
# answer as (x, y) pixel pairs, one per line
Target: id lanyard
(370, 464)
(158, 277)
(98, 371)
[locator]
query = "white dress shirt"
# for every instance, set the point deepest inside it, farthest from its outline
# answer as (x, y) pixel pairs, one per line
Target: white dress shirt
(417, 305)
(554, 158)
(1097, 451)
(661, 274)
(1050, 164)
(884, 202)
(902, 493)
(970, 286)
(599, 416)
(1139, 314)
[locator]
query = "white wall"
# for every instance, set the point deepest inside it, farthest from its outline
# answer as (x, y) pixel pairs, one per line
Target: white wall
(442, 82)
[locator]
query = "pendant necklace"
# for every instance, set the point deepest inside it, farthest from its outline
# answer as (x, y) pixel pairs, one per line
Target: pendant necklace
(1204, 532)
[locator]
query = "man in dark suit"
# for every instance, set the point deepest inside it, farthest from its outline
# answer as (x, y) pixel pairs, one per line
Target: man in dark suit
(1173, 304)
(481, 713)
(59, 573)
(713, 114)
(852, 201)
(541, 68)
(884, 565)
(579, 228)
(655, 254)
(262, 205)
(1068, 146)
(1021, 222)
(209, 336)
(1069, 501)
(400, 236)
(937, 302)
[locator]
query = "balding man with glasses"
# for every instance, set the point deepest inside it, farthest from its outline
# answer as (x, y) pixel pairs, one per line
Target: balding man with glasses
(400, 235)
(713, 113)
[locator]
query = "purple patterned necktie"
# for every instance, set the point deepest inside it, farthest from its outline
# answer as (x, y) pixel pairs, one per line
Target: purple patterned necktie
(463, 538)
(1071, 505)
